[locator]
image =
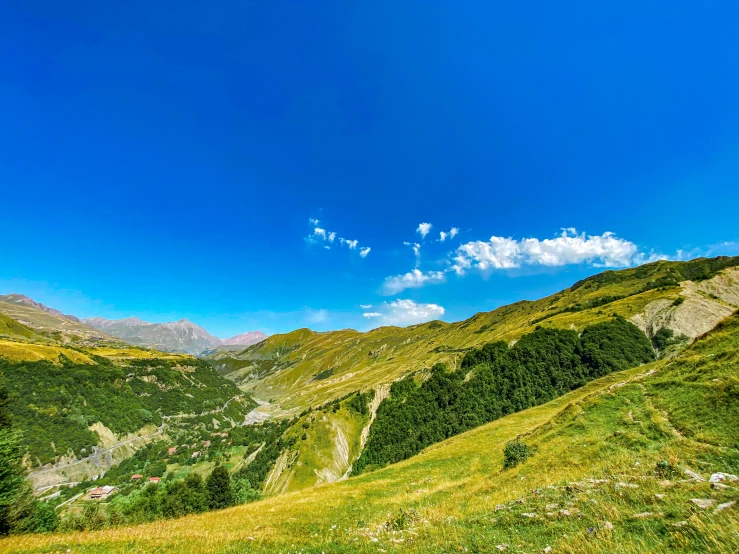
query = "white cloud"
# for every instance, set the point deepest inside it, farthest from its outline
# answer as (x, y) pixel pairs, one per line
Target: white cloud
(313, 221)
(405, 312)
(365, 306)
(320, 234)
(316, 316)
(453, 232)
(416, 251)
(423, 229)
(569, 247)
(412, 279)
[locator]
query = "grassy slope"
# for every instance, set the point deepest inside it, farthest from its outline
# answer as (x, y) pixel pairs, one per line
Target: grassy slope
(455, 496)
(283, 368)
(53, 326)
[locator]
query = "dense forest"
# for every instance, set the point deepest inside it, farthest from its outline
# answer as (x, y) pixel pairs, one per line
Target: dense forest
(54, 404)
(496, 380)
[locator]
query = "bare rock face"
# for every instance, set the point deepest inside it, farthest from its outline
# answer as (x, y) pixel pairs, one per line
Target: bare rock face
(705, 304)
(176, 336)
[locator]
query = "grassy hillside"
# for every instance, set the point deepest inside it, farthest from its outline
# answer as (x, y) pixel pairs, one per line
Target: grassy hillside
(304, 368)
(49, 323)
(297, 370)
(616, 467)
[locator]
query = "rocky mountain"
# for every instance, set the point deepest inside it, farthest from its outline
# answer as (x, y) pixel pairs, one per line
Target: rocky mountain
(182, 336)
(245, 339)
(50, 323)
(175, 336)
(23, 300)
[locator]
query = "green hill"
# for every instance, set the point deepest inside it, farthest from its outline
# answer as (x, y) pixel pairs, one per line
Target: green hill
(301, 370)
(50, 323)
(305, 368)
(620, 465)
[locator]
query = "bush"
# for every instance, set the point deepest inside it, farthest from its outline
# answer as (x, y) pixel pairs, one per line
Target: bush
(515, 453)
(663, 338)
(665, 469)
(679, 300)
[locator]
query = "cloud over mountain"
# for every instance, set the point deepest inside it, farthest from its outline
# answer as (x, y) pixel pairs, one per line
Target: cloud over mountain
(404, 312)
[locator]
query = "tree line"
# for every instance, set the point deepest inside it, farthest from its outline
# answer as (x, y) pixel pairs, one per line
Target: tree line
(497, 380)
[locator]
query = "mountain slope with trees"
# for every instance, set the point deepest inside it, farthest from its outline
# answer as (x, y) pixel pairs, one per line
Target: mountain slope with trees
(620, 465)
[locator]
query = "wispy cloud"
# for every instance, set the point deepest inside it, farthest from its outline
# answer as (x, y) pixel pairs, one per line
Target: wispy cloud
(316, 316)
(404, 312)
(411, 280)
(320, 235)
(416, 251)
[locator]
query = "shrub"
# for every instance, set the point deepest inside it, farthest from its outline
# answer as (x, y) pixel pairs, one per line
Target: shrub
(679, 300)
(665, 469)
(515, 453)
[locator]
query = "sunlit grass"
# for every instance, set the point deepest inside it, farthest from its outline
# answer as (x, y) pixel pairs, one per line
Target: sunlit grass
(455, 496)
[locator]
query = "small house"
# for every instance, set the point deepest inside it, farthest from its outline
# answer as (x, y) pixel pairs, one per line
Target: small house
(136, 476)
(172, 450)
(154, 479)
(195, 454)
(101, 492)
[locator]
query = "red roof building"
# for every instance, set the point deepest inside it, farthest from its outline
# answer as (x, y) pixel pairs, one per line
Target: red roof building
(154, 479)
(136, 476)
(172, 450)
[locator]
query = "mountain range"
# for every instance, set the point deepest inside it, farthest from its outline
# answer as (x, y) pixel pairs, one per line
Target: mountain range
(587, 421)
(182, 336)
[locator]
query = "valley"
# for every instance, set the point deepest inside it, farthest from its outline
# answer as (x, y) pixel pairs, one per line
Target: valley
(391, 428)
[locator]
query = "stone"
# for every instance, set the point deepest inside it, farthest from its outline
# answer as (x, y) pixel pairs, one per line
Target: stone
(529, 514)
(680, 524)
(547, 550)
(719, 486)
(659, 496)
(608, 526)
(723, 506)
(719, 477)
(499, 507)
(643, 515)
(502, 547)
(551, 507)
(703, 503)
(694, 476)
(628, 485)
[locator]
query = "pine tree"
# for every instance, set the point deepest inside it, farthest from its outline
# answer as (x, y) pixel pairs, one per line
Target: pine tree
(219, 489)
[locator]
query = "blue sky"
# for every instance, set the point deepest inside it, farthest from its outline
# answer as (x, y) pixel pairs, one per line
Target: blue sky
(165, 160)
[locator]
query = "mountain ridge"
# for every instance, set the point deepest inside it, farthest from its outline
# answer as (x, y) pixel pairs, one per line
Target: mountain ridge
(182, 335)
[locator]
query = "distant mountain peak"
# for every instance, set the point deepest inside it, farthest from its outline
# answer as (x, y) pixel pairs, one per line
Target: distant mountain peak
(245, 339)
